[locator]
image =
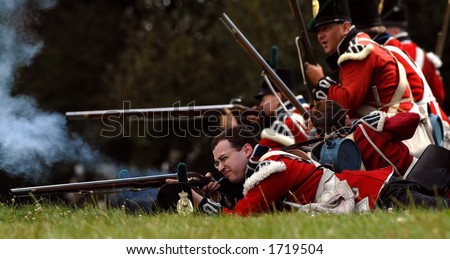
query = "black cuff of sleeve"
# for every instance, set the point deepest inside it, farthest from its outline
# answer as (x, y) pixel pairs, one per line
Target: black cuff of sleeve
(203, 202)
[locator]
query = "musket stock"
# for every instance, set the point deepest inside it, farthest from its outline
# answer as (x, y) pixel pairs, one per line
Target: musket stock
(251, 51)
(443, 33)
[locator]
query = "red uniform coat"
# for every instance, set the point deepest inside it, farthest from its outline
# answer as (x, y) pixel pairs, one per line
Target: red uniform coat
(387, 134)
(430, 72)
(420, 94)
(415, 81)
(364, 64)
(280, 176)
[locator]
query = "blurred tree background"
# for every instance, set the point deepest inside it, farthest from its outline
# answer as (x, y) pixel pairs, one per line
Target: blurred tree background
(97, 55)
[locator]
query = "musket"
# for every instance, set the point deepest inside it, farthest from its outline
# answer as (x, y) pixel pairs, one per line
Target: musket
(303, 32)
(443, 33)
(164, 113)
(196, 180)
(253, 53)
(304, 46)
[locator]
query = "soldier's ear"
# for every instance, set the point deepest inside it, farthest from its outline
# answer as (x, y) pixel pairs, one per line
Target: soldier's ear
(346, 26)
(248, 149)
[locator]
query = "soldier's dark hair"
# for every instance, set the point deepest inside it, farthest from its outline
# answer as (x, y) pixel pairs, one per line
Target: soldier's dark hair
(238, 136)
(328, 116)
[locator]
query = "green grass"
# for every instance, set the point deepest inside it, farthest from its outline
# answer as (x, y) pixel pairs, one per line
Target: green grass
(61, 221)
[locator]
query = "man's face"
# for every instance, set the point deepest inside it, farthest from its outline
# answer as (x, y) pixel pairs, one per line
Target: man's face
(231, 162)
(393, 30)
(329, 35)
(269, 103)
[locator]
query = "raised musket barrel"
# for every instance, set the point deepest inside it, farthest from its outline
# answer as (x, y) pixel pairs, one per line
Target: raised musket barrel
(190, 111)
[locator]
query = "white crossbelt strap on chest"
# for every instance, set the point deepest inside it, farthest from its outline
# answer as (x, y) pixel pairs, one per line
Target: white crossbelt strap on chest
(396, 99)
(427, 93)
(420, 57)
(401, 88)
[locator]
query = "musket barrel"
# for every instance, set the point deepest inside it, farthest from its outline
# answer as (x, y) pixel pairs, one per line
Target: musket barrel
(295, 8)
(165, 112)
(133, 182)
(154, 181)
(248, 47)
(443, 33)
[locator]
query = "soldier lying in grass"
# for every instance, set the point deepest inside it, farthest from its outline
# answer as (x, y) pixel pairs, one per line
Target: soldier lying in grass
(274, 180)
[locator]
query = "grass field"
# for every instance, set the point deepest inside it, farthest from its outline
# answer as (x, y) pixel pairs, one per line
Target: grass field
(59, 221)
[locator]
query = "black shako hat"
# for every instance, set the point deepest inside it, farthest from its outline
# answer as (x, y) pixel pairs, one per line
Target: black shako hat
(285, 76)
(329, 11)
(365, 13)
(394, 13)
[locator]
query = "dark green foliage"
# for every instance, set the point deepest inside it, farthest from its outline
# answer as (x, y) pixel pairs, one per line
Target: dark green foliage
(153, 53)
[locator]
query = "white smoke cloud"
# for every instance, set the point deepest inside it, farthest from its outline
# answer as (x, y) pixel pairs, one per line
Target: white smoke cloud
(31, 140)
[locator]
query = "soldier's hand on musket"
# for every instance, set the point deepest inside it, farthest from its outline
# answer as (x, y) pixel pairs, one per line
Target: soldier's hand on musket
(211, 188)
(313, 72)
(322, 84)
(228, 120)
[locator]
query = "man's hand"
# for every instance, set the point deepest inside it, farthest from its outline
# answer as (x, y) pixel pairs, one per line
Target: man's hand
(313, 73)
(211, 188)
(322, 83)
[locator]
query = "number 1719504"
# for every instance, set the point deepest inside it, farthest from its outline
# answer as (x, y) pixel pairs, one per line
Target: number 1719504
(296, 249)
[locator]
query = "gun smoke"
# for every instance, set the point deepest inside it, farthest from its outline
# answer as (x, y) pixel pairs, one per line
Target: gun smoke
(31, 140)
